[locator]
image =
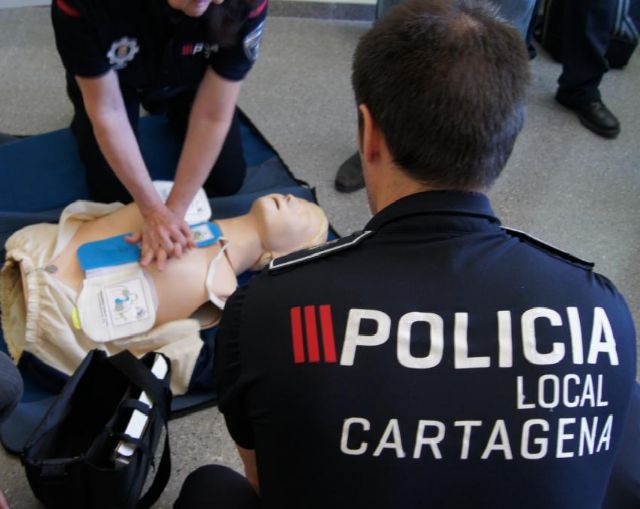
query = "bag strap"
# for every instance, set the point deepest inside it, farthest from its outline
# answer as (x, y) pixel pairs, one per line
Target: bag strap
(141, 376)
(161, 479)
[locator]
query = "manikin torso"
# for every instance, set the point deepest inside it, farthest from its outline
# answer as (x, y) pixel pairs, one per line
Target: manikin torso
(180, 287)
(42, 324)
(275, 225)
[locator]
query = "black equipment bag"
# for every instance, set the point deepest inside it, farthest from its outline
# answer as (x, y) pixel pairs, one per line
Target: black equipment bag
(74, 458)
(624, 33)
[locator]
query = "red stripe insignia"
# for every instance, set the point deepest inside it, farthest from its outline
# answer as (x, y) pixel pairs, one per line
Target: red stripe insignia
(258, 10)
(306, 336)
(67, 9)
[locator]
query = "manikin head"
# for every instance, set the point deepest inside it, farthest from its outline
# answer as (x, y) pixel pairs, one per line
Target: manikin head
(285, 224)
(440, 88)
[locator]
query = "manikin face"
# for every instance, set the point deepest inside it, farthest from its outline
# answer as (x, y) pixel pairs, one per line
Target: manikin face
(287, 223)
(193, 8)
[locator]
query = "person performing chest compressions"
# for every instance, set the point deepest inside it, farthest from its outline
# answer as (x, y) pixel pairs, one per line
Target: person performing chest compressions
(183, 58)
(72, 287)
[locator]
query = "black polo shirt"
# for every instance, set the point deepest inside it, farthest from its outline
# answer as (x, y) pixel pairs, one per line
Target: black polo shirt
(435, 360)
(150, 44)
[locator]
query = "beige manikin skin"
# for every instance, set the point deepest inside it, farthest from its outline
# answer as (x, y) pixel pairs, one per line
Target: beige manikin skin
(275, 225)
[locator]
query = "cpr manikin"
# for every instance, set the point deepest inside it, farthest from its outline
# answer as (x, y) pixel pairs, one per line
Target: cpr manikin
(42, 279)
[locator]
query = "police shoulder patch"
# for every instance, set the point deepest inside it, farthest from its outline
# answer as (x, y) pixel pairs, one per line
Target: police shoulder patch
(313, 253)
(549, 248)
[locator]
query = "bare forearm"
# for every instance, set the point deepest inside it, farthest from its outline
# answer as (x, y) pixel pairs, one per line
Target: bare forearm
(201, 149)
(164, 233)
(120, 148)
(209, 122)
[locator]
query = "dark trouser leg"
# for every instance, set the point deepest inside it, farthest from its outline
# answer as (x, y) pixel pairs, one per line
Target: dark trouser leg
(104, 186)
(216, 486)
(10, 386)
(587, 27)
(517, 12)
(228, 172)
(530, 29)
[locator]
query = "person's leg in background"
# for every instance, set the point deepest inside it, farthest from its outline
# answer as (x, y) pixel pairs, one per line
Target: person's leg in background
(586, 34)
(229, 170)
(216, 486)
(518, 12)
(533, 22)
(349, 177)
(10, 394)
(104, 186)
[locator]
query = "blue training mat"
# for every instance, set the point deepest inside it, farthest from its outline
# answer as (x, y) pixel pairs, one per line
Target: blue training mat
(42, 174)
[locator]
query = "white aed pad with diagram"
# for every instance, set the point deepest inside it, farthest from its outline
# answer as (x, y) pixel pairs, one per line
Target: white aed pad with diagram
(117, 299)
(199, 210)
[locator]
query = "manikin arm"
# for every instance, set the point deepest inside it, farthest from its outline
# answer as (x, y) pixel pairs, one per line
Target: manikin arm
(164, 232)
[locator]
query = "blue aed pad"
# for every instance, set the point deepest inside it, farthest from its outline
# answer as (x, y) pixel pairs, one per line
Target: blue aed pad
(108, 253)
(205, 234)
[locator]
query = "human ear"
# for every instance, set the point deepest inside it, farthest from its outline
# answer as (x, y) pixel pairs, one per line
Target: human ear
(369, 135)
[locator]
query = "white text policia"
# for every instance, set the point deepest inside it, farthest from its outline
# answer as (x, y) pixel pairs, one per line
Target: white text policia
(601, 341)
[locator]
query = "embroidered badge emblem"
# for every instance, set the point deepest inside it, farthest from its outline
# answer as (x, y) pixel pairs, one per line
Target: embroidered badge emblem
(122, 51)
(252, 42)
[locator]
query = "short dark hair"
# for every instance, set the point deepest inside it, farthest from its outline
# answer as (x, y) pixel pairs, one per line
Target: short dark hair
(445, 80)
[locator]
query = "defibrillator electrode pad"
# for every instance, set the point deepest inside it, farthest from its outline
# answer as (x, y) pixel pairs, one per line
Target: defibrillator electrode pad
(206, 234)
(117, 298)
(199, 210)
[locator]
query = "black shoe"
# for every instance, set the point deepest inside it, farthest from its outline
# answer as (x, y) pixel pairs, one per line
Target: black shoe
(595, 116)
(349, 177)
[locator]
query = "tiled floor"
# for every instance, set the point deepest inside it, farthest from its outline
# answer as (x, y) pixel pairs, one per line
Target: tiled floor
(563, 183)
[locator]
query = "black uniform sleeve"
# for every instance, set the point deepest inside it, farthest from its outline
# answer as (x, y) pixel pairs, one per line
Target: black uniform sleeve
(77, 40)
(229, 372)
(233, 63)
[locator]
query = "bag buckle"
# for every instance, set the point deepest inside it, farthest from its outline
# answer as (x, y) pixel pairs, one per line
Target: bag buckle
(52, 471)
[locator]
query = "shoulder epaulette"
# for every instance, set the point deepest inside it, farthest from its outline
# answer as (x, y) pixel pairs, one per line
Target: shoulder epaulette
(321, 251)
(549, 248)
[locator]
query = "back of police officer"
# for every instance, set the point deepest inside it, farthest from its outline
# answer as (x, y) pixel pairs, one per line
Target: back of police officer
(434, 360)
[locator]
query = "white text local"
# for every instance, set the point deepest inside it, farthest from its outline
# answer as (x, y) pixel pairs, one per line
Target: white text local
(568, 340)
(569, 391)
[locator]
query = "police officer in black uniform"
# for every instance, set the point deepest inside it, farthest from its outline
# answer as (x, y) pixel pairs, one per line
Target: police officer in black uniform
(185, 58)
(435, 359)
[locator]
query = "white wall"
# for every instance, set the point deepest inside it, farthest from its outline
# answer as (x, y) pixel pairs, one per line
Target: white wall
(22, 3)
